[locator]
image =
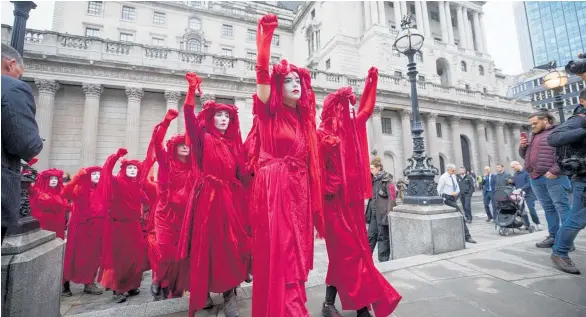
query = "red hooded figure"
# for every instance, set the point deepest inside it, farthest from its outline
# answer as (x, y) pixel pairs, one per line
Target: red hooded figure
(148, 225)
(47, 205)
(214, 235)
(286, 195)
(84, 236)
(175, 180)
(346, 179)
(123, 248)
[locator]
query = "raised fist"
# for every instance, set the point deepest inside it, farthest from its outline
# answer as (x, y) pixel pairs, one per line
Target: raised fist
(268, 23)
(171, 114)
(81, 172)
(373, 71)
(193, 79)
(121, 152)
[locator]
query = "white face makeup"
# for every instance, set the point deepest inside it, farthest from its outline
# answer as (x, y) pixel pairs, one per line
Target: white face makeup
(291, 88)
(182, 150)
(95, 177)
(53, 181)
(221, 120)
(131, 170)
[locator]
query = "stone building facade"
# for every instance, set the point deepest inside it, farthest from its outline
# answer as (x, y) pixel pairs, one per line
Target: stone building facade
(99, 91)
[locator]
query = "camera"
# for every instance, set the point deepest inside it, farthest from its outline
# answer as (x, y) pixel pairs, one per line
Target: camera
(574, 165)
(576, 67)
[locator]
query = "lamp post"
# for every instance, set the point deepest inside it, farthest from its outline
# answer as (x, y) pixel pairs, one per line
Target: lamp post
(21, 11)
(422, 189)
(555, 81)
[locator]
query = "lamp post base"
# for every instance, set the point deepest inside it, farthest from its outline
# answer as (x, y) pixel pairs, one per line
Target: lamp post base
(419, 229)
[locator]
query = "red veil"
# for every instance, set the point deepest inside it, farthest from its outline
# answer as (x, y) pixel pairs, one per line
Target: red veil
(47, 204)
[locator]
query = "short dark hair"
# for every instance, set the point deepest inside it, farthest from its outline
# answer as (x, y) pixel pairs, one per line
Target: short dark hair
(10, 53)
(543, 114)
(583, 94)
(464, 168)
(501, 165)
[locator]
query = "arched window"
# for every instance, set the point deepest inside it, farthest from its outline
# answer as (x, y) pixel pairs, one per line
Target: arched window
(194, 24)
(481, 70)
(464, 66)
(194, 46)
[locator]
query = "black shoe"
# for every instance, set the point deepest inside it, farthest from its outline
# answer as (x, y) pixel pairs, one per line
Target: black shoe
(92, 289)
(546, 243)
(363, 312)
(488, 219)
(230, 304)
(133, 292)
(468, 221)
(65, 290)
(118, 298)
(209, 302)
(565, 264)
(470, 240)
(572, 248)
(330, 311)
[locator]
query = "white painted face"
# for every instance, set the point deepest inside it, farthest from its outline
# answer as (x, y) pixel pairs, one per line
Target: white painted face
(131, 170)
(53, 181)
(95, 177)
(221, 120)
(291, 88)
(182, 150)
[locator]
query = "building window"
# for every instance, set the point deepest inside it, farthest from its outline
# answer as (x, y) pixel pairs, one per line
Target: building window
(398, 74)
(92, 32)
(276, 40)
(313, 14)
(95, 7)
(486, 134)
(481, 70)
(421, 78)
(464, 66)
(159, 18)
(328, 64)
(195, 4)
(227, 31)
(467, 87)
(438, 129)
(194, 46)
(194, 24)
(158, 42)
(126, 37)
(227, 52)
(485, 90)
(251, 35)
(275, 59)
(419, 57)
(387, 125)
(128, 13)
(434, 15)
(250, 56)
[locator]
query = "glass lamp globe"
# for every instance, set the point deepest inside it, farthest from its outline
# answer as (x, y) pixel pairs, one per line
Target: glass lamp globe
(409, 39)
(555, 79)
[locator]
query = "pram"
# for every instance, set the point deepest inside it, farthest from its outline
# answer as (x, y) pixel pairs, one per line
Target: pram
(510, 209)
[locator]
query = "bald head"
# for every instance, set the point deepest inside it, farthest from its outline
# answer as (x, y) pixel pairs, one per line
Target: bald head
(12, 63)
(516, 166)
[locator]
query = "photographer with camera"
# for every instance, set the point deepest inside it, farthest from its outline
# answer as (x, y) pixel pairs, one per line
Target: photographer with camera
(569, 139)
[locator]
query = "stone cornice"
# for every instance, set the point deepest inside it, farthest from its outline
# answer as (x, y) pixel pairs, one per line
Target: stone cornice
(92, 90)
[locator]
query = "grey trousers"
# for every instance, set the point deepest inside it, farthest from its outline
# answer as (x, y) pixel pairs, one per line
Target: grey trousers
(379, 234)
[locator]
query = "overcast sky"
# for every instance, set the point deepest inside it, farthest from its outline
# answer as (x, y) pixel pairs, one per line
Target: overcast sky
(501, 33)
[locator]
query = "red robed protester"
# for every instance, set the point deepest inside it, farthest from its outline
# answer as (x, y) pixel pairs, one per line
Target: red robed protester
(214, 236)
(346, 177)
(286, 199)
(84, 235)
(47, 205)
(175, 180)
(148, 225)
(123, 248)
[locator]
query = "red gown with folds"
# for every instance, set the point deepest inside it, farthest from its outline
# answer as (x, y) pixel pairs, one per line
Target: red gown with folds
(123, 248)
(47, 204)
(214, 236)
(148, 227)
(343, 148)
(281, 150)
(175, 179)
(86, 225)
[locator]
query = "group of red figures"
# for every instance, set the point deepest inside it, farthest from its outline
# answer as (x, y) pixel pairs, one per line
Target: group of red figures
(221, 211)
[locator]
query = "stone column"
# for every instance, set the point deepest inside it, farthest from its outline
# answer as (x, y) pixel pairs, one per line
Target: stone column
(378, 130)
(403, 8)
(469, 39)
(419, 17)
(431, 119)
(482, 33)
(425, 18)
(443, 22)
(397, 11)
(449, 23)
(516, 131)
(500, 139)
(89, 129)
(456, 143)
(477, 33)
(44, 117)
(132, 140)
(461, 27)
(381, 13)
(374, 13)
(406, 131)
(481, 143)
(172, 98)
(367, 20)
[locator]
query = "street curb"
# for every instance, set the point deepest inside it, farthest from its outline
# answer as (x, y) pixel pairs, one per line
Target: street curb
(178, 305)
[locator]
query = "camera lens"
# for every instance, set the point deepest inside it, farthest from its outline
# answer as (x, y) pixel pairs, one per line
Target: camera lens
(576, 66)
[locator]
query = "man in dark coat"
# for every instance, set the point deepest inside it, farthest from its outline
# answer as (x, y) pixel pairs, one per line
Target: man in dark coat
(383, 199)
(20, 133)
(466, 183)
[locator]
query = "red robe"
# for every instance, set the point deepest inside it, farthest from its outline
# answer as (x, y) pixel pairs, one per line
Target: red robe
(214, 236)
(351, 268)
(286, 198)
(84, 236)
(148, 228)
(47, 205)
(123, 248)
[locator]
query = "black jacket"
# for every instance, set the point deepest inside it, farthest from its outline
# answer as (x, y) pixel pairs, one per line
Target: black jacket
(377, 208)
(466, 184)
(20, 140)
(572, 133)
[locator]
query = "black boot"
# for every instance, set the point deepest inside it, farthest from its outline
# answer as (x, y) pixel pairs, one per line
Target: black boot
(92, 289)
(363, 312)
(66, 291)
(156, 292)
(118, 297)
(133, 292)
(230, 304)
(329, 308)
(209, 302)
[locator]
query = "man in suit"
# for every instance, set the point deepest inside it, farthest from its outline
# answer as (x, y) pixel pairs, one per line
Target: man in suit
(466, 183)
(20, 133)
(502, 178)
(488, 187)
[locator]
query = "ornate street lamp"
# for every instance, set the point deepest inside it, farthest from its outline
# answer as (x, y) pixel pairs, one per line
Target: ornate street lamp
(422, 188)
(555, 81)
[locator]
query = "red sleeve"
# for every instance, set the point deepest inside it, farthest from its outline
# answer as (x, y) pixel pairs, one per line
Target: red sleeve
(194, 132)
(392, 191)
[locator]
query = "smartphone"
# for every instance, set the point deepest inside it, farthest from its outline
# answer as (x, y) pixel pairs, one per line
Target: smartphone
(524, 135)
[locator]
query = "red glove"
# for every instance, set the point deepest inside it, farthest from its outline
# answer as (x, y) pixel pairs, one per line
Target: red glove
(194, 84)
(32, 161)
(121, 152)
(264, 37)
(171, 115)
(81, 172)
